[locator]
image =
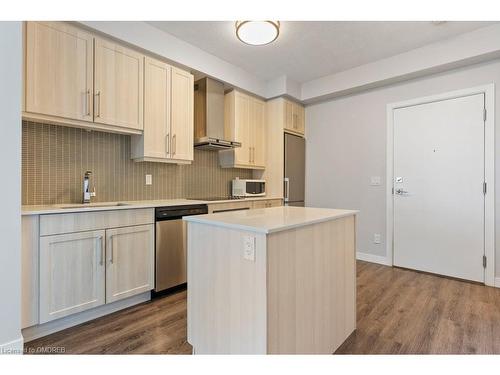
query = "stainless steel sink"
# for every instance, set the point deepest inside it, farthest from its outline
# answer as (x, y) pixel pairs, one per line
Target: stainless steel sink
(91, 205)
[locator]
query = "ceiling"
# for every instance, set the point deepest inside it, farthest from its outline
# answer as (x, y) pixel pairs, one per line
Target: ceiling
(306, 50)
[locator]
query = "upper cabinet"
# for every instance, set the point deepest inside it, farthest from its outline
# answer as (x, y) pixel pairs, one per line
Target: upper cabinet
(244, 122)
(72, 78)
(294, 117)
(118, 86)
(168, 115)
(59, 70)
(182, 115)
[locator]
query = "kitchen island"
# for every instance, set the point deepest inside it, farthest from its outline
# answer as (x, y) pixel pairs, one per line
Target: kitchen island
(276, 280)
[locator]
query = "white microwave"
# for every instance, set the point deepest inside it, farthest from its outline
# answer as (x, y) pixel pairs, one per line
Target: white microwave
(249, 188)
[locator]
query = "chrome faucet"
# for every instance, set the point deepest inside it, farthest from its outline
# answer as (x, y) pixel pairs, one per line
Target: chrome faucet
(87, 194)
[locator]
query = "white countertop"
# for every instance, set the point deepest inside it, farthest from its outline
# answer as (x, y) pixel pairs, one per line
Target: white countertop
(121, 205)
(270, 220)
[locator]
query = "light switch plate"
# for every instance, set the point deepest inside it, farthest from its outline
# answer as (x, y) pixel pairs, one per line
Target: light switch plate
(377, 239)
(375, 181)
(249, 248)
(149, 179)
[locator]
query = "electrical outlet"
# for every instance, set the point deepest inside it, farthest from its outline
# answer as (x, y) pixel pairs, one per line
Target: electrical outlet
(249, 248)
(377, 239)
(375, 181)
(149, 179)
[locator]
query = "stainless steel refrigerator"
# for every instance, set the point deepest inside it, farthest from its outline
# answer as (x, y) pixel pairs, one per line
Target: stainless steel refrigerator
(295, 167)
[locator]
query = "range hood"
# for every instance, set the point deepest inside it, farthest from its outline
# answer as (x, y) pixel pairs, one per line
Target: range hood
(209, 116)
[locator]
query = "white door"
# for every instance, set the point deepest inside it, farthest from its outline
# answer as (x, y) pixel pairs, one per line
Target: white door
(438, 187)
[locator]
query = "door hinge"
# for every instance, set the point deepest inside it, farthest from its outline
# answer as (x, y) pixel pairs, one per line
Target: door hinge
(485, 188)
(484, 114)
(484, 261)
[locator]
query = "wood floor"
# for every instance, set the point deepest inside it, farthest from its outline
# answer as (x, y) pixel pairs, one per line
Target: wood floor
(399, 312)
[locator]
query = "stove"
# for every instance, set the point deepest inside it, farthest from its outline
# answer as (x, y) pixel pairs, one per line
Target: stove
(211, 199)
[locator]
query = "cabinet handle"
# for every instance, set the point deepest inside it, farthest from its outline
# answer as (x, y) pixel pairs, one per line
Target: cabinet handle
(168, 143)
(111, 250)
(174, 148)
(88, 102)
(101, 246)
(98, 104)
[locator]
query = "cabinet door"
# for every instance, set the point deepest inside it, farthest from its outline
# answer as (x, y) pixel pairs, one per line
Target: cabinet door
(130, 262)
(182, 125)
(59, 70)
(258, 135)
(298, 118)
(242, 128)
(72, 273)
(156, 109)
(288, 109)
(118, 92)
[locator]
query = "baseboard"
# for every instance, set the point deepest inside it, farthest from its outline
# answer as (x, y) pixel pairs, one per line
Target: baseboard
(497, 282)
(35, 332)
(379, 259)
(13, 347)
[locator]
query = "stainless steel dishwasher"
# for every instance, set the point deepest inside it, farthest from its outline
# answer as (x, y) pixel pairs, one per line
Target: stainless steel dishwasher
(170, 248)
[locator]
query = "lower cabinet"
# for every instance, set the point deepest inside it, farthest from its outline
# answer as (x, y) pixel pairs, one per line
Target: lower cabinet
(130, 261)
(72, 273)
(267, 203)
(80, 271)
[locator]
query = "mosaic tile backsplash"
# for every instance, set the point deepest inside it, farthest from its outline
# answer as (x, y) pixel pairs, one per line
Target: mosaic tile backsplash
(55, 158)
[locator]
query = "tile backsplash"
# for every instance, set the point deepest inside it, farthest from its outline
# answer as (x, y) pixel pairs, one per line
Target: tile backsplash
(55, 158)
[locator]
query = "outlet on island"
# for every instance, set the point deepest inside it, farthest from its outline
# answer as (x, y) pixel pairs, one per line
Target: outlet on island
(149, 179)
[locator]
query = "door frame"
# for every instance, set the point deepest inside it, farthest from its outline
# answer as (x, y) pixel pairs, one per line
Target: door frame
(489, 169)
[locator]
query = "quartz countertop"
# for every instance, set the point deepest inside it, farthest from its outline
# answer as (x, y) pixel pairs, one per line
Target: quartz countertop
(270, 220)
(121, 205)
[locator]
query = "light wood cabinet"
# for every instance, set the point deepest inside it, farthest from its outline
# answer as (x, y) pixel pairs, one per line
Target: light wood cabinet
(168, 115)
(59, 70)
(130, 261)
(294, 117)
(73, 78)
(118, 80)
(182, 116)
(244, 122)
(72, 272)
(229, 206)
(267, 203)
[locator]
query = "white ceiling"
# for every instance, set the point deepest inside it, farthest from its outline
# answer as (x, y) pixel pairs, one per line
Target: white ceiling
(309, 50)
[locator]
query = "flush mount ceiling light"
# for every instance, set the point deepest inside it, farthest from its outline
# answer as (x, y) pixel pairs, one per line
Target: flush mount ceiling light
(257, 33)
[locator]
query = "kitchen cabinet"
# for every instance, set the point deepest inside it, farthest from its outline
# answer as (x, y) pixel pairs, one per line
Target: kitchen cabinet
(267, 203)
(182, 126)
(244, 122)
(75, 79)
(118, 80)
(294, 117)
(168, 115)
(129, 261)
(229, 206)
(59, 70)
(72, 272)
(282, 116)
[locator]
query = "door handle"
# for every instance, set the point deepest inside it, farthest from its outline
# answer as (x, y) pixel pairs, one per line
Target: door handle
(88, 102)
(111, 249)
(101, 245)
(400, 192)
(287, 188)
(98, 103)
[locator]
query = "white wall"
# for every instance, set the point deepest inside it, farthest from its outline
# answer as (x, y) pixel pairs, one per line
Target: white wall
(346, 145)
(10, 167)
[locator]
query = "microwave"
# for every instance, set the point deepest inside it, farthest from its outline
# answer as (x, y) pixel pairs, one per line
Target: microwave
(248, 188)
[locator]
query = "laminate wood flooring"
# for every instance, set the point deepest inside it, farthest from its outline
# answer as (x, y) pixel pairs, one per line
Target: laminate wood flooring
(398, 312)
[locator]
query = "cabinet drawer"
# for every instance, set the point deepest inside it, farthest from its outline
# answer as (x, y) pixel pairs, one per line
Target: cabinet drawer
(230, 206)
(85, 221)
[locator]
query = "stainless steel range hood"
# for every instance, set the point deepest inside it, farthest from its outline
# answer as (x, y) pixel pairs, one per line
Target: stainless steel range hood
(209, 116)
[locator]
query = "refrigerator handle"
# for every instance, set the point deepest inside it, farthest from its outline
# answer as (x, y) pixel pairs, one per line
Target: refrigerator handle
(287, 188)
